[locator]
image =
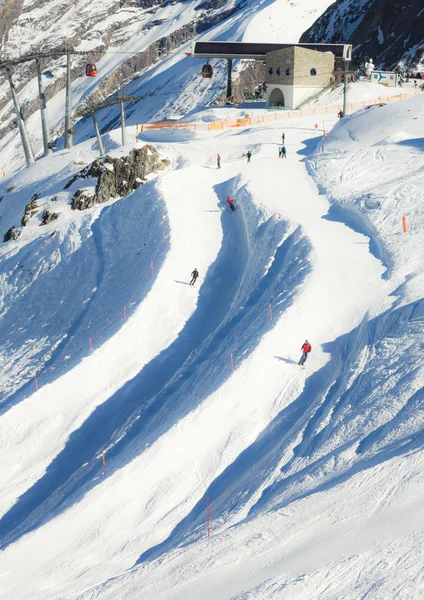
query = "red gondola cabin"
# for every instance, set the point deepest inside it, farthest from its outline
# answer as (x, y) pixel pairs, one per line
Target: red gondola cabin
(207, 71)
(91, 70)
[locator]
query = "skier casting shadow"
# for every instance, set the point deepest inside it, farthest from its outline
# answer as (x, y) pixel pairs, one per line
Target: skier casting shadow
(230, 201)
(306, 349)
(194, 276)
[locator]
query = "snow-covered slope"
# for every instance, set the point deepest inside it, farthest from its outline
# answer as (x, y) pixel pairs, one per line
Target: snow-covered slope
(134, 406)
(312, 476)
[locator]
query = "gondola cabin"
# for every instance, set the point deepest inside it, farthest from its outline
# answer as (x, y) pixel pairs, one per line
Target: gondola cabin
(207, 71)
(91, 70)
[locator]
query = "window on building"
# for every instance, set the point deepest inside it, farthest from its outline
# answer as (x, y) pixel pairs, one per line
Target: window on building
(270, 70)
(288, 71)
(313, 72)
(278, 71)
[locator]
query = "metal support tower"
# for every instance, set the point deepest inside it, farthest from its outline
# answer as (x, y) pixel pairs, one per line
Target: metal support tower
(26, 144)
(124, 137)
(68, 105)
(98, 136)
(229, 86)
(43, 111)
(345, 89)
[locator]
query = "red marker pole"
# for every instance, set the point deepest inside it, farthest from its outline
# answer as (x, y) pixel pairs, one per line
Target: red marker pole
(91, 344)
(208, 515)
(125, 313)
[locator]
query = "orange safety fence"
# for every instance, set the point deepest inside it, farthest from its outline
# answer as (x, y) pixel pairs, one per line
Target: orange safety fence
(272, 115)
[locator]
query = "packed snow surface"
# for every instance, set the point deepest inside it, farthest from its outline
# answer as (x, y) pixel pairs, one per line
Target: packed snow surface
(313, 477)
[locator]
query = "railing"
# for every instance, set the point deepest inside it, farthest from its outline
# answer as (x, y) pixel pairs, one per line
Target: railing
(273, 115)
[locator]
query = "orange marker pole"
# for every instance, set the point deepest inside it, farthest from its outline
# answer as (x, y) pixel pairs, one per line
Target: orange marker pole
(405, 225)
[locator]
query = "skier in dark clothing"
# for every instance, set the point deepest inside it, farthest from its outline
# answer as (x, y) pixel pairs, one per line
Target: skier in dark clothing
(194, 276)
(249, 156)
(306, 349)
(280, 151)
(230, 202)
(284, 152)
(283, 138)
(218, 162)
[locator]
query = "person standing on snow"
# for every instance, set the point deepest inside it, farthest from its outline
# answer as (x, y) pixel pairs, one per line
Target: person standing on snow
(306, 349)
(280, 151)
(284, 152)
(283, 138)
(369, 68)
(218, 162)
(230, 202)
(194, 276)
(249, 156)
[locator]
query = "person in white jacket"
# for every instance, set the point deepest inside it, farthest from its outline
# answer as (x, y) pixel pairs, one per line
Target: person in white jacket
(369, 67)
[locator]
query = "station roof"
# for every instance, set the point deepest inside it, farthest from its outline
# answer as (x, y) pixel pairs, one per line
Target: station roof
(249, 50)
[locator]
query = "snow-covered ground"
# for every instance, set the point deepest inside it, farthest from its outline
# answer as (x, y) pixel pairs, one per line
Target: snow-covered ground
(313, 476)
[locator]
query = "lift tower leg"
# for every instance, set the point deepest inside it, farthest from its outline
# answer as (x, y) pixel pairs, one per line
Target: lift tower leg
(68, 105)
(43, 111)
(229, 87)
(124, 137)
(26, 144)
(345, 89)
(98, 136)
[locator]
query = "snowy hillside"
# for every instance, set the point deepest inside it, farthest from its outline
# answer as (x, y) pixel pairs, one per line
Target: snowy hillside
(127, 39)
(312, 477)
(159, 440)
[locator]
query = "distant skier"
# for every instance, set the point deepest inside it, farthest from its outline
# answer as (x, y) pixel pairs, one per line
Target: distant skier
(306, 349)
(284, 152)
(249, 156)
(283, 138)
(194, 276)
(230, 202)
(280, 151)
(218, 162)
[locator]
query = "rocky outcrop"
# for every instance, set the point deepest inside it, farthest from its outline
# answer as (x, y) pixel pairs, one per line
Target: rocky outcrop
(117, 177)
(11, 234)
(389, 32)
(47, 217)
(31, 209)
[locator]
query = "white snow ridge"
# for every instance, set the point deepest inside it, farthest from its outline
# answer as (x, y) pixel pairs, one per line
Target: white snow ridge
(159, 440)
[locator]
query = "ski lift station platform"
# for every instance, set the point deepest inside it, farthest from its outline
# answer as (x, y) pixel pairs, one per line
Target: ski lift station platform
(294, 72)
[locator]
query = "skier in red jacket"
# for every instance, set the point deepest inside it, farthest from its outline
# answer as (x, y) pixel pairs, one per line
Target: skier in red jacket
(306, 348)
(230, 202)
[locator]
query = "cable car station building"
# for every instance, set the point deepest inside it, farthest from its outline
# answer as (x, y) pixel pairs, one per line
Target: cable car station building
(294, 72)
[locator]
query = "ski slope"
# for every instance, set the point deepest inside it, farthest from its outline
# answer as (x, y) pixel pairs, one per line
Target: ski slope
(314, 475)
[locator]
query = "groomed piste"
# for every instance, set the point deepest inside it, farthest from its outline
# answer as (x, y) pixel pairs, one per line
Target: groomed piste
(177, 450)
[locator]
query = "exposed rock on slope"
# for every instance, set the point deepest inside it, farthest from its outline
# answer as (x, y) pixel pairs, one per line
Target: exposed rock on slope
(117, 176)
(390, 32)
